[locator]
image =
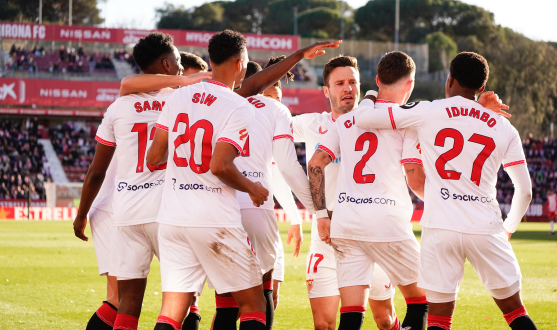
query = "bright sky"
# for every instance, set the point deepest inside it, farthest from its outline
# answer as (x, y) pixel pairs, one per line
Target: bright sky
(533, 18)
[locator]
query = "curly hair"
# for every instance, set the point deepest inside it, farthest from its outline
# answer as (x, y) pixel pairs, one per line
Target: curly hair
(338, 62)
(253, 68)
(470, 70)
(189, 60)
(151, 47)
(289, 76)
(394, 66)
(224, 45)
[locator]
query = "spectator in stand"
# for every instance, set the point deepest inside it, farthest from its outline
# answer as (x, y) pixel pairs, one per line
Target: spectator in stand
(75, 148)
(63, 54)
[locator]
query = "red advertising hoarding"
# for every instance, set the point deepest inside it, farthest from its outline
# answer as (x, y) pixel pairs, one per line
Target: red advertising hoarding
(77, 33)
(100, 94)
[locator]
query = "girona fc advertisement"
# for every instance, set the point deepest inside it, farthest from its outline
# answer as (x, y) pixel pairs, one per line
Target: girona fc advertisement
(48, 32)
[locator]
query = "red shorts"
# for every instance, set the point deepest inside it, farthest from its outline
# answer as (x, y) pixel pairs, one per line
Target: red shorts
(552, 214)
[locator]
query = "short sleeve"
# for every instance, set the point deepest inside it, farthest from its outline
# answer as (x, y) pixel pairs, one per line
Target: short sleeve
(283, 124)
(411, 151)
(236, 130)
(298, 128)
(515, 153)
(105, 133)
(331, 143)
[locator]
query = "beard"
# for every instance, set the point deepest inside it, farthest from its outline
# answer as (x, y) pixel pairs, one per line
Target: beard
(342, 108)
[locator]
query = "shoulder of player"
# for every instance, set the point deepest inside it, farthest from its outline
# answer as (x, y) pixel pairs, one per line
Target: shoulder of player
(418, 105)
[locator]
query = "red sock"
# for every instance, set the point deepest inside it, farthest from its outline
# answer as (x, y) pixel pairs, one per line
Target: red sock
(268, 285)
(396, 326)
(520, 311)
(168, 320)
(125, 322)
(353, 309)
(194, 309)
(226, 302)
(416, 301)
(107, 313)
(254, 316)
(443, 322)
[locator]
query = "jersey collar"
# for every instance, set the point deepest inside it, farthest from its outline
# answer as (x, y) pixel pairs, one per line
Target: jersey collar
(216, 83)
(333, 118)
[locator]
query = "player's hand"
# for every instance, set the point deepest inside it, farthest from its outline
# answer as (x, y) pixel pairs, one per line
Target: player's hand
(295, 233)
(491, 101)
(79, 225)
(258, 194)
(324, 229)
(371, 95)
(195, 78)
(317, 49)
(508, 234)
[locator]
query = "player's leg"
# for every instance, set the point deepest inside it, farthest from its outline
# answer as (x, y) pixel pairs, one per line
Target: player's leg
(262, 229)
(231, 266)
(101, 230)
(494, 261)
(194, 317)
(552, 222)
(381, 300)
(322, 285)
(276, 288)
(182, 276)
(441, 271)
(132, 255)
(278, 274)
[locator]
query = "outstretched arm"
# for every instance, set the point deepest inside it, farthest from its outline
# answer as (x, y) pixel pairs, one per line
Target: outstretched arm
(143, 83)
(264, 79)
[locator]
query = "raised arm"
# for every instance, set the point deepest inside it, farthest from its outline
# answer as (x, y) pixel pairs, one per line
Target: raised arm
(265, 78)
(143, 83)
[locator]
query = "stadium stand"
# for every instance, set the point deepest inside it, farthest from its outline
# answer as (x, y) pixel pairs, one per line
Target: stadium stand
(22, 162)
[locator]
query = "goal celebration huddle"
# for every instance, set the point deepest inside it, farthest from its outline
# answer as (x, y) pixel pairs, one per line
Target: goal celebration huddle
(188, 162)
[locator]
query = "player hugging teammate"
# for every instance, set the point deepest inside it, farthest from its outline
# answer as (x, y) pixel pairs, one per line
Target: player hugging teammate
(202, 155)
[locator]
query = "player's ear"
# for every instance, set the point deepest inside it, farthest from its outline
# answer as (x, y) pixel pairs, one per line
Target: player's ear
(377, 80)
(166, 65)
(326, 91)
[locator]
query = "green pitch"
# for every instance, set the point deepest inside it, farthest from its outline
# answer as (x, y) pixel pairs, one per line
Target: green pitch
(48, 280)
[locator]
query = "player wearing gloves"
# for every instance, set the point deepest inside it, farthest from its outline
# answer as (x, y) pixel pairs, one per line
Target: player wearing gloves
(463, 145)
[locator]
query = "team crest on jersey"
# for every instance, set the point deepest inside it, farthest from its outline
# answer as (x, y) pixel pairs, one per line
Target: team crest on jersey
(309, 284)
(243, 134)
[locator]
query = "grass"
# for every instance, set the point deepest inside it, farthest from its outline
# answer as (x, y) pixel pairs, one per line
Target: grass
(48, 280)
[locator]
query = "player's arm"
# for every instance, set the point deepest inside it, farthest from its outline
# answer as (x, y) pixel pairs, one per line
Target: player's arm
(91, 186)
(283, 194)
(158, 151)
(415, 178)
(491, 101)
(143, 83)
(265, 78)
(316, 173)
(522, 197)
(222, 166)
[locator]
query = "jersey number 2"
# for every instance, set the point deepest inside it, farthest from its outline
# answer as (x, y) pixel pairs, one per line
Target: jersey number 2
(359, 177)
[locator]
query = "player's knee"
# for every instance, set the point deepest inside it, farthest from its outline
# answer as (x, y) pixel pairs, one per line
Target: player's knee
(324, 325)
(384, 321)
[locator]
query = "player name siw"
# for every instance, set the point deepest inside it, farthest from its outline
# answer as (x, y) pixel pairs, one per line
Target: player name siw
(202, 99)
(454, 112)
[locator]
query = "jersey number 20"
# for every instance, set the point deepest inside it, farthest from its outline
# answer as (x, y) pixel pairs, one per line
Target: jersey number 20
(189, 136)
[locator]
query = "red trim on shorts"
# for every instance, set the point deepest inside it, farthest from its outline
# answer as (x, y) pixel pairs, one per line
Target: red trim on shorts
(194, 309)
(216, 83)
(443, 322)
(254, 316)
(412, 160)
(323, 148)
(416, 301)
(171, 322)
(226, 302)
(392, 118)
(107, 314)
(232, 142)
(283, 136)
(126, 322)
(520, 311)
(268, 285)
(353, 309)
(518, 162)
(106, 143)
(384, 101)
(164, 128)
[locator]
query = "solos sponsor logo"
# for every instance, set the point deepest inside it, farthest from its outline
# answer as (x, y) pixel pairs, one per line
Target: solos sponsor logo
(343, 197)
(195, 186)
(253, 174)
(135, 187)
(445, 194)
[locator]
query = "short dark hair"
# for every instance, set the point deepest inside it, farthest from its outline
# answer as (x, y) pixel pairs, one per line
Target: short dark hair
(189, 60)
(274, 60)
(394, 66)
(225, 44)
(338, 62)
(253, 68)
(151, 47)
(470, 70)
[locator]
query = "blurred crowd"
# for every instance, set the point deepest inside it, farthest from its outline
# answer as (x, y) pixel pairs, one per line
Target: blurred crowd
(22, 159)
(75, 147)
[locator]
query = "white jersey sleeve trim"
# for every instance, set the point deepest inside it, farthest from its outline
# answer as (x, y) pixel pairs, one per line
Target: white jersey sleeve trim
(283, 136)
(107, 143)
(412, 160)
(227, 140)
(160, 126)
(518, 162)
(323, 148)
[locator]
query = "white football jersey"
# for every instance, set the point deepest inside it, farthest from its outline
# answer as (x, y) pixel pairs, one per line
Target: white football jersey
(196, 118)
(552, 202)
(129, 125)
(371, 200)
(272, 121)
(311, 128)
(463, 146)
(103, 201)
